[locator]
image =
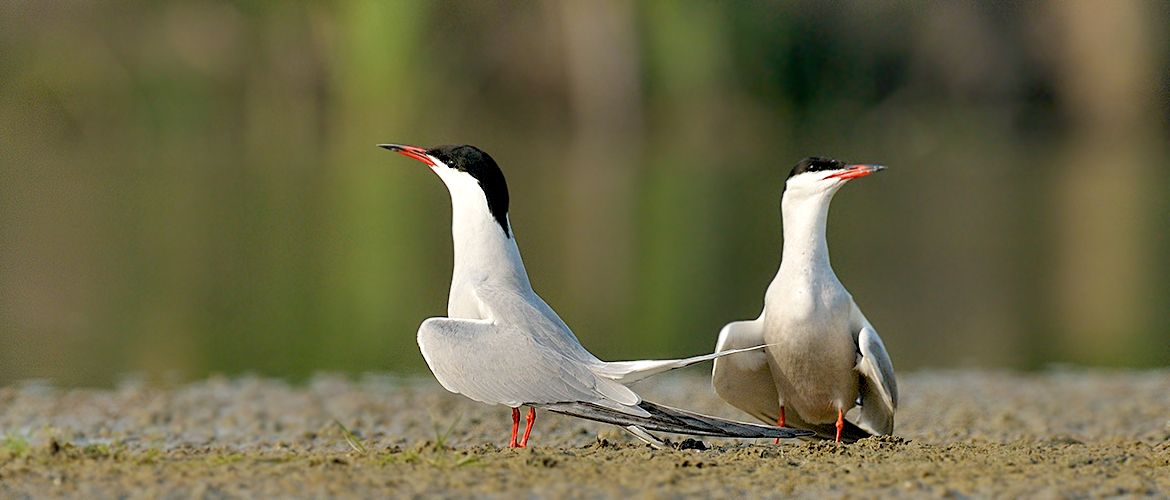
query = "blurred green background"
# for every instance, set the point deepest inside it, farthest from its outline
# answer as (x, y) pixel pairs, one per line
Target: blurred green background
(192, 187)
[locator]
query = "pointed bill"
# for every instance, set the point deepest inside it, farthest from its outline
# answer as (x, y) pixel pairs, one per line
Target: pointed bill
(415, 152)
(855, 171)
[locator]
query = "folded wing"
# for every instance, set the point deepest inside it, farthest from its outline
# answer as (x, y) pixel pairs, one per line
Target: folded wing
(499, 364)
(744, 380)
(879, 388)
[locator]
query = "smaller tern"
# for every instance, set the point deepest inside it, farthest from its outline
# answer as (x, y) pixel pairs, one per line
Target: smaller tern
(502, 344)
(822, 356)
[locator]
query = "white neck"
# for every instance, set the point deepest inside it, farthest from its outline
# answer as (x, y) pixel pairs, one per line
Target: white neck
(483, 252)
(806, 252)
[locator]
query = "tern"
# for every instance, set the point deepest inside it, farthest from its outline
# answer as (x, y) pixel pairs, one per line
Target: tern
(822, 355)
(502, 344)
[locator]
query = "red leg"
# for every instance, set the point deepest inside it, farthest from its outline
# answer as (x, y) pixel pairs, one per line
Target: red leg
(840, 423)
(780, 421)
(515, 427)
(528, 421)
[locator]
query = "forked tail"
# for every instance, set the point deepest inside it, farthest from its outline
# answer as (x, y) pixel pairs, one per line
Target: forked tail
(628, 372)
(667, 419)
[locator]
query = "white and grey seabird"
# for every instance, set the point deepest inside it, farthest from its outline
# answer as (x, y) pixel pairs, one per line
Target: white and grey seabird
(502, 344)
(823, 356)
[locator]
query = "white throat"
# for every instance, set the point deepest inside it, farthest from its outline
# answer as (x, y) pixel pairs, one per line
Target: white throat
(484, 254)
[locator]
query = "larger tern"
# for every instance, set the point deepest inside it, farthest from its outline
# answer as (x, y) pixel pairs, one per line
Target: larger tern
(502, 344)
(822, 354)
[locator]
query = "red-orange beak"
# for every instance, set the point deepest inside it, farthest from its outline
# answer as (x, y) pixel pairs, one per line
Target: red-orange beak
(417, 153)
(855, 171)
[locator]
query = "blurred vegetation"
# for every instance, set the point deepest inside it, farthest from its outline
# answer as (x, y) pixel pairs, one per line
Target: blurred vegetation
(191, 187)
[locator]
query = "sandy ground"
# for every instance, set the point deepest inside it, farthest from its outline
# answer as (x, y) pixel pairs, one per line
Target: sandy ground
(966, 433)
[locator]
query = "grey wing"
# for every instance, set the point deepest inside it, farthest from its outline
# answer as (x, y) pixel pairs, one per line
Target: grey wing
(539, 320)
(543, 325)
(744, 380)
(879, 388)
(497, 364)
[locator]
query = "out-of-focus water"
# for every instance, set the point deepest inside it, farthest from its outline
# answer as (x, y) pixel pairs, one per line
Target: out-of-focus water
(188, 187)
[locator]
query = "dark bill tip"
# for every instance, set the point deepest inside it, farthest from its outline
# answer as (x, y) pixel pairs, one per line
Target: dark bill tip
(415, 152)
(856, 171)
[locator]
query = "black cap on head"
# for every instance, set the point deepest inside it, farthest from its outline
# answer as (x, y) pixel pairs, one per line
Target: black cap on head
(816, 164)
(483, 168)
